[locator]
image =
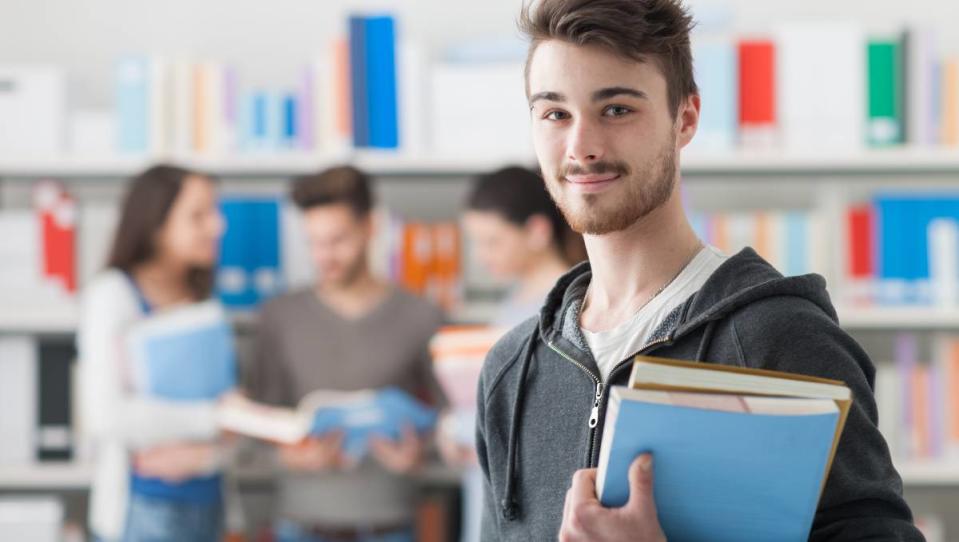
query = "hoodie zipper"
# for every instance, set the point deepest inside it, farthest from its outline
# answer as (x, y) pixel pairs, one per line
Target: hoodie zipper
(600, 388)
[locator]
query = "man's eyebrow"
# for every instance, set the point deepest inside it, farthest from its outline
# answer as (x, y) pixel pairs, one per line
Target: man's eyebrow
(610, 92)
(551, 96)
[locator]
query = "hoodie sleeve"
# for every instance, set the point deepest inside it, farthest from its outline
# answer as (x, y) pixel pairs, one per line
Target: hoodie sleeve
(488, 524)
(862, 498)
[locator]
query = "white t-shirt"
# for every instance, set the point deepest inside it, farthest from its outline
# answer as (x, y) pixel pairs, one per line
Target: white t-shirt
(615, 345)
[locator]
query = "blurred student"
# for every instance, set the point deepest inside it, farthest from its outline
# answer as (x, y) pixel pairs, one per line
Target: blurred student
(520, 237)
(348, 331)
(157, 475)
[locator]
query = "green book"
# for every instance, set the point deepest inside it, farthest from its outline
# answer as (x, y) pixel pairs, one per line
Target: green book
(885, 118)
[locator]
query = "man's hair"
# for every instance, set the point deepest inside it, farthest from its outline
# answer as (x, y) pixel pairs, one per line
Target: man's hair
(641, 30)
(337, 185)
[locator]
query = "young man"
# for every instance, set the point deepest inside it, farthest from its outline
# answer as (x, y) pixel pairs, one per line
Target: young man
(350, 331)
(612, 102)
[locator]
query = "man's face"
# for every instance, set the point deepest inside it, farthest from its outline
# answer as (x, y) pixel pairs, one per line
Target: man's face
(338, 243)
(603, 133)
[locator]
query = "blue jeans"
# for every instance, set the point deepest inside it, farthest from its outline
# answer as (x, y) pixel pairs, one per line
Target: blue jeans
(288, 531)
(150, 519)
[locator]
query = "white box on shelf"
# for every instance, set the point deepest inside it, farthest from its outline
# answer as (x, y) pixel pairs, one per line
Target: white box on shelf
(93, 132)
(37, 519)
(32, 110)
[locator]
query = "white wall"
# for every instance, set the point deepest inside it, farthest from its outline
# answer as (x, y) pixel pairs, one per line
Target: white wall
(268, 40)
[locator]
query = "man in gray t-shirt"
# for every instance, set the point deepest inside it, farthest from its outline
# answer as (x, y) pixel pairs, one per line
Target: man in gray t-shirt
(350, 331)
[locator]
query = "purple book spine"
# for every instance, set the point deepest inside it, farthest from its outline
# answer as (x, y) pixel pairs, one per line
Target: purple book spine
(906, 359)
(937, 409)
(306, 126)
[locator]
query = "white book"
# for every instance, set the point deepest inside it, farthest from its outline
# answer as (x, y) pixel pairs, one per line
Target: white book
(297, 263)
(183, 107)
(479, 109)
(413, 83)
(158, 107)
(943, 240)
(32, 110)
(821, 85)
(889, 404)
(18, 388)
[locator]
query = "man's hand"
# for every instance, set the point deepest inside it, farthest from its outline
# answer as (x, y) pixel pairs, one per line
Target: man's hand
(585, 519)
(175, 462)
(401, 456)
(315, 453)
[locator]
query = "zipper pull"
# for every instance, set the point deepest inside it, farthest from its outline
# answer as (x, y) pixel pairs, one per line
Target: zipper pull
(594, 414)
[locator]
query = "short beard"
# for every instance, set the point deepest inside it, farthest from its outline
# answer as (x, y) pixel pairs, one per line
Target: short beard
(643, 195)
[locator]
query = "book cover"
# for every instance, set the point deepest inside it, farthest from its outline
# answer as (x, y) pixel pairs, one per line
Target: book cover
(360, 415)
(834, 52)
(55, 432)
(359, 87)
(885, 120)
(715, 62)
(19, 388)
(33, 108)
(727, 467)
(132, 99)
(184, 353)
(757, 93)
(381, 82)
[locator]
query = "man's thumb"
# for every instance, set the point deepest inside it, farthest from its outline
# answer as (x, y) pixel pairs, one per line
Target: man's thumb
(641, 483)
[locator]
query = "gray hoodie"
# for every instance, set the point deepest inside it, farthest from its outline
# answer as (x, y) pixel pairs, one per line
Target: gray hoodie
(542, 404)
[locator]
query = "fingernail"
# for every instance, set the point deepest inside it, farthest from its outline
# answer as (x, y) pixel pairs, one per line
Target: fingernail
(646, 463)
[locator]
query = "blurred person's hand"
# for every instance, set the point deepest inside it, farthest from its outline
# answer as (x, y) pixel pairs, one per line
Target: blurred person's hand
(315, 453)
(176, 462)
(399, 456)
(452, 450)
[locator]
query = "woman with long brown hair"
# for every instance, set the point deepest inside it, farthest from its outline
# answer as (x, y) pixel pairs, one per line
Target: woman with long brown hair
(157, 474)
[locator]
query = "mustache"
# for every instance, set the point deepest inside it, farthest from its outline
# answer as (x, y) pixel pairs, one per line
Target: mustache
(596, 168)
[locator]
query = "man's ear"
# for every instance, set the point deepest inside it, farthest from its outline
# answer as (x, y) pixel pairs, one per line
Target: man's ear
(687, 120)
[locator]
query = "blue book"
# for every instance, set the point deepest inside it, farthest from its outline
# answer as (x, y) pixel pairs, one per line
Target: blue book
(289, 129)
(183, 354)
(716, 65)
(797, 244)
(360, 415)
(133, 88)
(381, 82)
(902, 232)
(249, 267)
(739, 454)
(359, 89)
(261, 121)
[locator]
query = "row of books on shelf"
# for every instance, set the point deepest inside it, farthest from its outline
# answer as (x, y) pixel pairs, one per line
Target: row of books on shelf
(826, 85)
(918, 400)
(60, 244)
(368, 88)
(896, 249)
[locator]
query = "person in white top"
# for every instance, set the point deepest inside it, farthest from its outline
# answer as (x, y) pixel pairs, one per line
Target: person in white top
(156, 471)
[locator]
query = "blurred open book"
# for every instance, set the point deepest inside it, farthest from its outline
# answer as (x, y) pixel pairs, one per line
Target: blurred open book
(359, 415)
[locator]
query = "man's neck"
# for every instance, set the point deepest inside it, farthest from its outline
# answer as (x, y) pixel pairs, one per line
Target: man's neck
(353, 299)
(631, 266)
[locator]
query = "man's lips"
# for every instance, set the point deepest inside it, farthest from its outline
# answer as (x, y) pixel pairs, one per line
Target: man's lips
(592, 179)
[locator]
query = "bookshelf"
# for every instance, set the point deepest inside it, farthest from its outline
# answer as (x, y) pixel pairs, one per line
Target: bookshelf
(816, 164)
(63, 321)
(78, 475)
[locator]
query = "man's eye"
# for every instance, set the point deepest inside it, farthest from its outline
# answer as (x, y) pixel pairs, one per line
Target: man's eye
(617, 111)
(556, 115)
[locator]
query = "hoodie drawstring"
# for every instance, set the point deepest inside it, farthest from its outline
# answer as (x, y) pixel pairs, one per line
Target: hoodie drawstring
(705, 341)
(509, 506)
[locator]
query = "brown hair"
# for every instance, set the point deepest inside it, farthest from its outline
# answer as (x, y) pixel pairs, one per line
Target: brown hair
(336, 185)
(516, 194)
(641, 30)
(146, 206)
